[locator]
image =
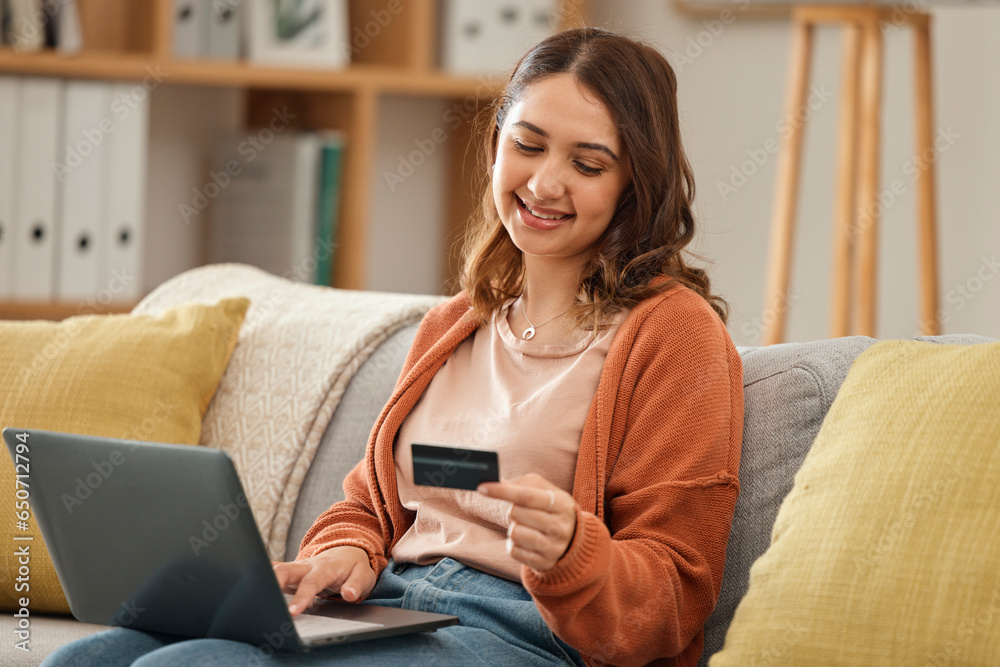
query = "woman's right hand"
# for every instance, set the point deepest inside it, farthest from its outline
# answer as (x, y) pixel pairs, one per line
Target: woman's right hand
(344, 570)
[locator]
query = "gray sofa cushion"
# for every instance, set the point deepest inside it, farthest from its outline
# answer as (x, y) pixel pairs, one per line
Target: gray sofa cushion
(343, 443)
(787, 390)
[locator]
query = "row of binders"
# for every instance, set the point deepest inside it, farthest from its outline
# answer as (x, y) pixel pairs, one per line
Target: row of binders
(274, 200)
(33, 25)
(478, 36)
(207, 30)
(72, 189)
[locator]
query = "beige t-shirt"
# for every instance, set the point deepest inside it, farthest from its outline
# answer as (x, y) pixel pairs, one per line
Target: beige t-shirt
(496, 392)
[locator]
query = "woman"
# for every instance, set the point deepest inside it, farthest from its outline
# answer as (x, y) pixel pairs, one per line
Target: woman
(593, 359)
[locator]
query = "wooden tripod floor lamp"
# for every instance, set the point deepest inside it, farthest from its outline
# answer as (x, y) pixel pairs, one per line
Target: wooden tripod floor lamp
(857, 207)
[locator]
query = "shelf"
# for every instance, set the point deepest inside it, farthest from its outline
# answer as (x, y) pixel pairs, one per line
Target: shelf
(28, 310)
(139, 67)
(133, 42)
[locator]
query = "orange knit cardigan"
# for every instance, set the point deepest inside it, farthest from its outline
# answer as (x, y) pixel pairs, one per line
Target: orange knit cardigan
(656, 483)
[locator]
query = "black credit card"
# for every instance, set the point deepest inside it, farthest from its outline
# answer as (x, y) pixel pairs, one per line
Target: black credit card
(453, 467)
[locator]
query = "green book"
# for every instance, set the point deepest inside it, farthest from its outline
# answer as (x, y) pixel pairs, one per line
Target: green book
(328, 206)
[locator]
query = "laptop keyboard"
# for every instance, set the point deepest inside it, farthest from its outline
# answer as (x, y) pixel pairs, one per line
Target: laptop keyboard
(310, 626)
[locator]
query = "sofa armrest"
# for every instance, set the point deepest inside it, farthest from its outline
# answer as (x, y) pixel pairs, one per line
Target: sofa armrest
(344, 440)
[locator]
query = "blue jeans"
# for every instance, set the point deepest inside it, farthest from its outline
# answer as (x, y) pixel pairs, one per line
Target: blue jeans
(500, 625)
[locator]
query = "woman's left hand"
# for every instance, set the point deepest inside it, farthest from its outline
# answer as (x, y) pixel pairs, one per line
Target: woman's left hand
(542, 519)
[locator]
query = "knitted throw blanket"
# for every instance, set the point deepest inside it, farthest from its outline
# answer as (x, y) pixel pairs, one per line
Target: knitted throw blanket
(299, 347)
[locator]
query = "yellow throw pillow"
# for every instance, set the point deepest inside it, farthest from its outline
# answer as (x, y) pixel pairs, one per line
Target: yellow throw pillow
(123, 376)
(887, 549)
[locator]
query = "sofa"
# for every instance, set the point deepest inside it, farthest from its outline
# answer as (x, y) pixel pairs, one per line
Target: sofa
(788, 390)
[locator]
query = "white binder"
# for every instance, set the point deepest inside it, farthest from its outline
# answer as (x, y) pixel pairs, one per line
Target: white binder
(40, 135)
(190, 27)
(489, 36)
(70, 32)
(539, 19)
(223, 38)
(10, 94)
(82, 175)
(466, 36)
(26, 31)
(125, 228)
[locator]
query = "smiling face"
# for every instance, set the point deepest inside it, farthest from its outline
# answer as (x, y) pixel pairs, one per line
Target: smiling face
(560, 169)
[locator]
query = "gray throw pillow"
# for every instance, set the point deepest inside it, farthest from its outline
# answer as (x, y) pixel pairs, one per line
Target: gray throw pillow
(787, 390)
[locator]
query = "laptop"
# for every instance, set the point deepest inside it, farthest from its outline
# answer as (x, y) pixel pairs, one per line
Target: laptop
(161, 538)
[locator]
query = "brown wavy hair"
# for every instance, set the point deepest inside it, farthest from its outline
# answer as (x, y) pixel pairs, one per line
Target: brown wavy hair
(652, 222)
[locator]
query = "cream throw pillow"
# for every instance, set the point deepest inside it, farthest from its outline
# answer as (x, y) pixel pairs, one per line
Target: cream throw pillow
(124, 376)
(887, 549)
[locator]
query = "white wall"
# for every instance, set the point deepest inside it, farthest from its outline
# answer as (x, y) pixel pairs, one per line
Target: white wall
(731, 95)
(183, 124)
(731, 98)
(408, 196)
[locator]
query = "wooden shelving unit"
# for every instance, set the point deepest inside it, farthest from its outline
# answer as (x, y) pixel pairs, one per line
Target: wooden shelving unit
(127, 40)
(375, 78)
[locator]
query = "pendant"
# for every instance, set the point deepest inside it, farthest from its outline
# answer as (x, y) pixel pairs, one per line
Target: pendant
(529, 333)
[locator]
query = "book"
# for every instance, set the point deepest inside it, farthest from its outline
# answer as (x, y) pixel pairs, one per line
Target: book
(264, 209)
(26, 27)
(4, 22)
(328, 206)
(69, 35)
